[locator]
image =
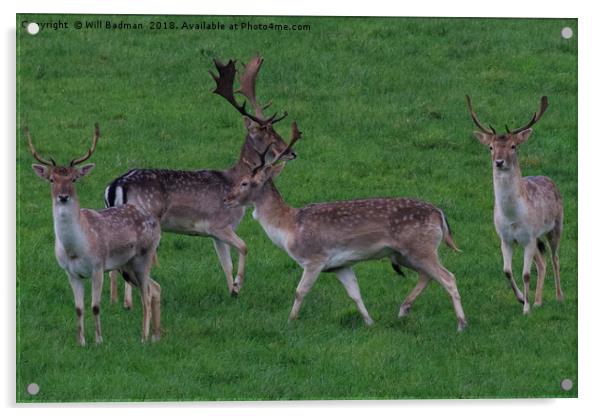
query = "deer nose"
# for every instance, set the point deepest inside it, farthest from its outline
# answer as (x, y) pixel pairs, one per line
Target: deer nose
(63, 198)
(499, 163)
(293, 155)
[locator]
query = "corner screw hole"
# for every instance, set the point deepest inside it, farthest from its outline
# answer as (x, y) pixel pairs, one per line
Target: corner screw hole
(33, 389)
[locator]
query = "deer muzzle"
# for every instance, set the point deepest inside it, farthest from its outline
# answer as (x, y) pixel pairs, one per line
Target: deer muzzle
(63, 198)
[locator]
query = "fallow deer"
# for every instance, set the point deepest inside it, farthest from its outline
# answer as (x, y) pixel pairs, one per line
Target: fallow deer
(332, 237)
(90, 242)
(526, 208)
(191, 202)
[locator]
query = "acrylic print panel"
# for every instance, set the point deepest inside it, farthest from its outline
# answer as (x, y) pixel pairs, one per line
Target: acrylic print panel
(381, 105)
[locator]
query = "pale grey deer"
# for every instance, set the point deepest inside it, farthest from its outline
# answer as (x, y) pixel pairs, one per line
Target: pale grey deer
(526, 209)
(90, 242)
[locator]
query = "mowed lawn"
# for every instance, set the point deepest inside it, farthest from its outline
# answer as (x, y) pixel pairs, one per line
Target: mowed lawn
(381, 105)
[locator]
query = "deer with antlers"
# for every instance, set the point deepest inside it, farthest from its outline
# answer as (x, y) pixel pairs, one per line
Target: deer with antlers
(191, 202)
(332, 237)
(526, 208)
(90, 242)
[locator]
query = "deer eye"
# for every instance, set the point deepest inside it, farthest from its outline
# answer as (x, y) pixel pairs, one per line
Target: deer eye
(50, 180)
(490, 147)
(244, 184)
(513, 146)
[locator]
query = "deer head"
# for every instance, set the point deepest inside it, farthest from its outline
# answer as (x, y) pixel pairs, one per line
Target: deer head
(62, 178)
(247, 190)
(261, 136)
(503, 147)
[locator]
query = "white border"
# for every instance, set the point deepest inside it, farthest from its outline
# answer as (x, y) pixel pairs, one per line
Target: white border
(590, 283)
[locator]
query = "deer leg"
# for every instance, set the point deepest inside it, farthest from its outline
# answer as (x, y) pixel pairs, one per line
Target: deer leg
(113, 277)
(507, 255)
(310, 275)
(530, 251)
(138, 271)
(127, 296)
(423, 281)
(436, 271)
(223, 253)
(127, 290)
(155, 290)
(540, 263)
(347, 277)
(77, 285)
(554, 239)
(229, 237)
(145, 298)
(97, 281)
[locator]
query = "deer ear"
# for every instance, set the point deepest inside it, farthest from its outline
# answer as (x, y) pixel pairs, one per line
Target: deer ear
(276, 170)
(84, 170)
(250, 125)
(42, 171)
(523, 136)
(484, 138)
(255, 139)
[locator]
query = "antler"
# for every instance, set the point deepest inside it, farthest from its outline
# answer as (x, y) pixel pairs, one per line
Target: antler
(247, 83)
(295, 135)
(91, 150)
(35, 154)
(543, 105)
(484, 129)
(225, 87)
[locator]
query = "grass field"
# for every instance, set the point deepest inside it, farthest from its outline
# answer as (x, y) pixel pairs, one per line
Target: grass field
(381, 105)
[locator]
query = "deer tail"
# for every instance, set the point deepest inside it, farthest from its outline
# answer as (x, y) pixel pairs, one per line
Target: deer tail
(447, 234)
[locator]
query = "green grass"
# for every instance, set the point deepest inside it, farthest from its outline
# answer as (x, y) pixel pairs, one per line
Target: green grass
(381, 105)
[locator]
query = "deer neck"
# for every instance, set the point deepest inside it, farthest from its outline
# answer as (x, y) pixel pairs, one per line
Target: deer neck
(509, 193)
(69, 227)
(274, 215)
(241, 167)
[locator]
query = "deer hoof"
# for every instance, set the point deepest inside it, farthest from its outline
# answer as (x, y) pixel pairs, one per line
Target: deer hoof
(537, 303)
(526, 309)
(368, 321)
(234, 292)
(520, 298)
(155, 337)
(560, 297)
(404, 311)
(462, 324)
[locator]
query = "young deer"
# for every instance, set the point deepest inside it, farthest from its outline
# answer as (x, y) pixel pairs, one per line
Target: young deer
(89, 242)
(332, 237)
(191, 202)
(526, 208)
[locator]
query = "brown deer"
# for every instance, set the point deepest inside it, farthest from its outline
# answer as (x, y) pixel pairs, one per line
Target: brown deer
(191, 202)
(332, 237)
(90, 242)
(526, 208)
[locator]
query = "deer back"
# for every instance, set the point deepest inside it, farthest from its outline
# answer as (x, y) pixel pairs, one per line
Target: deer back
(175, 195)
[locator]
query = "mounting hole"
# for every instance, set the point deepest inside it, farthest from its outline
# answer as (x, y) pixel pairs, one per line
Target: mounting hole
(566, 384)
(33, 389)
(32, 28)
(566, 32)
